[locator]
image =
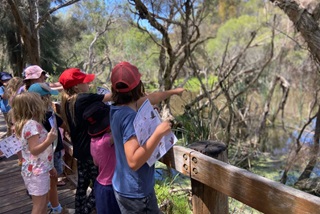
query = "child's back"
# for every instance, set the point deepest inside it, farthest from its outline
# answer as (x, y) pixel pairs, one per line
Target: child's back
(101, 147)
(103, 154)
(133, 180)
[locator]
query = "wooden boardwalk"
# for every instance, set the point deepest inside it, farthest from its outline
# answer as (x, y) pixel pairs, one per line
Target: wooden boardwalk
(13, 196)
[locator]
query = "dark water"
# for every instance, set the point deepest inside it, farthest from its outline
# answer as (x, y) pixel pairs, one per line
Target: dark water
(286, 144)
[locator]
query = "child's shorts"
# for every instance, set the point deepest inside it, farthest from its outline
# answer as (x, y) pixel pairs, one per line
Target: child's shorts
(58, 163)
(147, 204)
(105, 200)
(37, 185)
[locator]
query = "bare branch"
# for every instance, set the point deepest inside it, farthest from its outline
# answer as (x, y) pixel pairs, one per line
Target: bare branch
(52, 10)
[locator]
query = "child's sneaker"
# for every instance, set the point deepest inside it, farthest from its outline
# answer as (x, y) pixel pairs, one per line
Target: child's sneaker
(56, 210)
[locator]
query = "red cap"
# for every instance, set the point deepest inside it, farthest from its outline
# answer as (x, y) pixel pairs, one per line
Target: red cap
(125, 73)
(74, 76)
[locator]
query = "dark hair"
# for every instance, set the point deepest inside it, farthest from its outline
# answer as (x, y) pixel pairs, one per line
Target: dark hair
(27, 84)
(131, 96)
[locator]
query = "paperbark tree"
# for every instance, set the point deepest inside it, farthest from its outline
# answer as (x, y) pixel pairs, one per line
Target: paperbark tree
(28, 29)
(179, 18)
(305, 15)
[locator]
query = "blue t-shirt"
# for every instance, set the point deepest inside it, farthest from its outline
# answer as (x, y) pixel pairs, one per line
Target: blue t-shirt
(127, 182)
(4, 103)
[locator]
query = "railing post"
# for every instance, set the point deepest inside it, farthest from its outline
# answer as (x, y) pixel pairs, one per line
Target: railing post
(70, 169)
(205, 199)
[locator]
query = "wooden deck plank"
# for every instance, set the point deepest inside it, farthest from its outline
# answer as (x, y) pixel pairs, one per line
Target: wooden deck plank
(13, 196)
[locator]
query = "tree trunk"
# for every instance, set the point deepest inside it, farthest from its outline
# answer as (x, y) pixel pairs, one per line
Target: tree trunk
(29, 40)
(314, 152)
(305, 22)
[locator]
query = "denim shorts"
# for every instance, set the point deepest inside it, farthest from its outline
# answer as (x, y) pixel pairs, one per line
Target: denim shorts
(58, 162)
(146, 205)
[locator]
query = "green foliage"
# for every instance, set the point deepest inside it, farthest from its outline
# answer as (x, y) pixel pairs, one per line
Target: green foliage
(194, 127)
(237, 32)
(297, 57)
(236, 207)
(193, 84)
(177, 203)
(252, 7)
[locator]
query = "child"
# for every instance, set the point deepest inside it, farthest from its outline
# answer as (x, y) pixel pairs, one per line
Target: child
(103, 153)
(45, 92)
(12, 88)
(75, 98)
(133, 179)
(37, 167)
(35, 74)
(11, 91)
(4, 78)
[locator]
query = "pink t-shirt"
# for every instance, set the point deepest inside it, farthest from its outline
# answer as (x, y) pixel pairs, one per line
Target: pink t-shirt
(104, 157)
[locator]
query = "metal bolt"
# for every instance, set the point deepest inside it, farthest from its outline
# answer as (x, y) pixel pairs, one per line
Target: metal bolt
(195, 171)
(185, 166)
(185, 156)
(194, 160)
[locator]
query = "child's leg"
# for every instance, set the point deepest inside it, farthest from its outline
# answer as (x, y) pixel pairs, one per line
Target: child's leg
(38, 187)
(39, 204)
(87, 172)
(53, 192)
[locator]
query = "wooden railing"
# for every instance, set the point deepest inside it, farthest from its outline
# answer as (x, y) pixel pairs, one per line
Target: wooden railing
(213, 181)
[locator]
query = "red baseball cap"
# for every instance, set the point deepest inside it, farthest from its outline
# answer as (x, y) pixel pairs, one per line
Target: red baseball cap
(125, 73)
(74, 76)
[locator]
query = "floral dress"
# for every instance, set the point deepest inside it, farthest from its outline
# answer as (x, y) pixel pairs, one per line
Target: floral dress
(42, 163)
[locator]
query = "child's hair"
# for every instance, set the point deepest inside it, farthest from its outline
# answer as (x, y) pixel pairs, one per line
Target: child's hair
(126, 83)
(12, 87)
(10, 116)
(11, 121)
(27, 106)
(131, 96)
(47, 101)
(68, 96)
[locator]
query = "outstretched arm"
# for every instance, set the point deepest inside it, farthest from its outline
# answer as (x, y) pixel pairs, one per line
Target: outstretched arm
(157, 97)
(107, 97)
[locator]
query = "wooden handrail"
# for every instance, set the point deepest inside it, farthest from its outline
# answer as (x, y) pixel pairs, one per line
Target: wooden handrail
(263, 194)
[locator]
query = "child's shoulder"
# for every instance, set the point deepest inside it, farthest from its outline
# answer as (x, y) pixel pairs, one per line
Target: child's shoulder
(31, 123)
(122, 113)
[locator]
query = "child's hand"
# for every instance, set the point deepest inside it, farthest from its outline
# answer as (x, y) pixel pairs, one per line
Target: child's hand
(53, 173)
(164, 128)
(178, 91)
(52, 135)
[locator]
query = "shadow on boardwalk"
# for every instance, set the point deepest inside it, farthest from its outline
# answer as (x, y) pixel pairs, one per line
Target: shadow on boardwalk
(13, 196)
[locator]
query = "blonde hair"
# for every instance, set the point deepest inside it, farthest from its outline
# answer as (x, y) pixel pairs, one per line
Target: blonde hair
(47, 100)
(12, 88)
(69, 96)
(27, 106)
